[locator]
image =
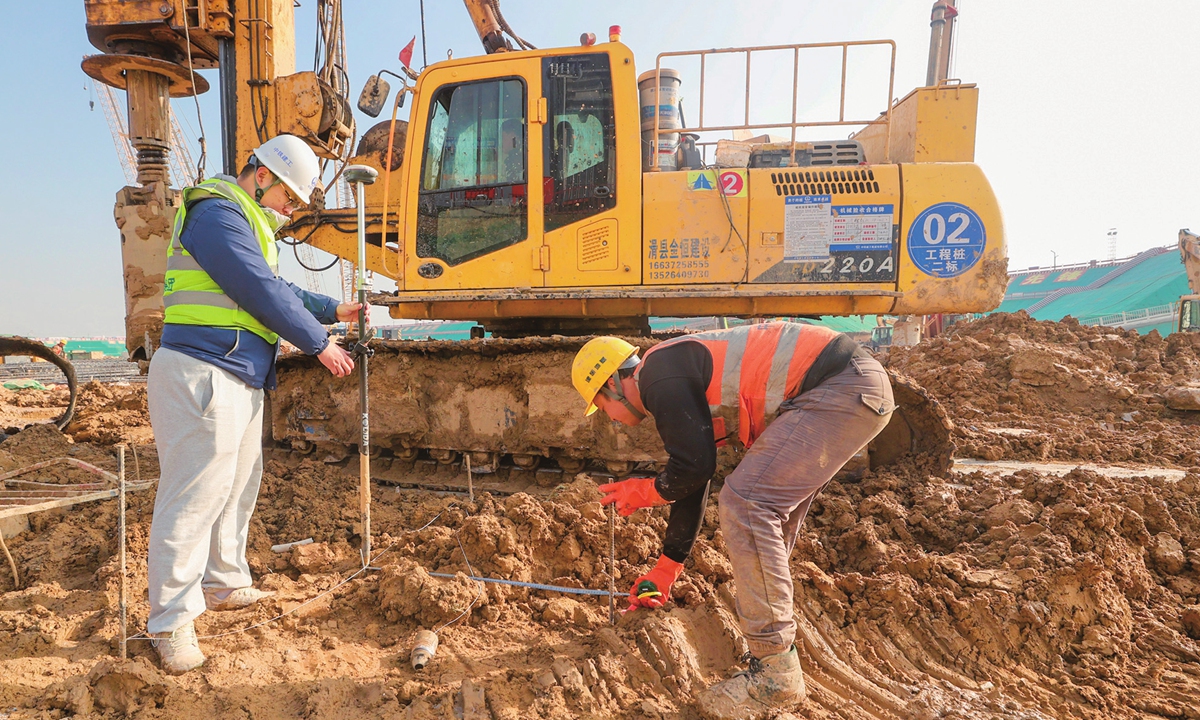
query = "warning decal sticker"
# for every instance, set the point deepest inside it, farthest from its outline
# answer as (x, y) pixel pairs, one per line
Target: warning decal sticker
(823, 242)
(731, 182)
(807, 227)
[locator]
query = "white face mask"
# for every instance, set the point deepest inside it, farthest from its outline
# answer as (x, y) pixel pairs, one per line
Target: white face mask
(276, 219)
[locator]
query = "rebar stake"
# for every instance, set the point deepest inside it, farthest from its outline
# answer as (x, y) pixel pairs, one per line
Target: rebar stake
(612, 564)
(121, 603)
(470, 481)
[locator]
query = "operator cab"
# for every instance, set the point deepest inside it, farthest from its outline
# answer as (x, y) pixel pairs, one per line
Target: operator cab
(519, 156)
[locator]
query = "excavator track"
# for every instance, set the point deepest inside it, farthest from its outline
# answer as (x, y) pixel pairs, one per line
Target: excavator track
(509, 403)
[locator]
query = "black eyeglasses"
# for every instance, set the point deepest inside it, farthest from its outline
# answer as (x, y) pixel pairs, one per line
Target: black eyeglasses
(292, 201)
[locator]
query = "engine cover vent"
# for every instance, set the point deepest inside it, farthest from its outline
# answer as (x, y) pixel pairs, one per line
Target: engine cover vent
(598, 246)
(859, 181)
(808, 154)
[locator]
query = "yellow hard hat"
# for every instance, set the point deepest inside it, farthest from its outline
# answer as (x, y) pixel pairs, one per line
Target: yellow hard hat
(597, 361)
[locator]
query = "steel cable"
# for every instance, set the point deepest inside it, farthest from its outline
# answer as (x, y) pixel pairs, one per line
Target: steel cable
(196, 97)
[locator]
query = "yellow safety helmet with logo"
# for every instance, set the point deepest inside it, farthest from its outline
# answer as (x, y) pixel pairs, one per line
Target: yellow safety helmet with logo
(597, 361)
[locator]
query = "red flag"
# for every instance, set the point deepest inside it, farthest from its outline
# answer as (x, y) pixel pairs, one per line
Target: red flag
(406, 53)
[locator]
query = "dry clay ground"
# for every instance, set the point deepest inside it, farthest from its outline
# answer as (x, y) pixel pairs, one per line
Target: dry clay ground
(970, 596)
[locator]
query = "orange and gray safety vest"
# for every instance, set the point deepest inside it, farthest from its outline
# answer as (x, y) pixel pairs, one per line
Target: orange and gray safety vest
(755, 369)
(190, 295)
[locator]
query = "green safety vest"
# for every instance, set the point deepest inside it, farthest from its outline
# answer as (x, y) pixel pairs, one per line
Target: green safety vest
(190, 295)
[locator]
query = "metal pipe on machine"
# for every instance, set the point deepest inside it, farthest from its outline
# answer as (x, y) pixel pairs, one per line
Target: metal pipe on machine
(150, 75)
(941, 37)
(149, 124)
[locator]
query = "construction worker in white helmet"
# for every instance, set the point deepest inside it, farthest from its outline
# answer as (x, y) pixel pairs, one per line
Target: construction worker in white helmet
(805, 400)
(225, 310)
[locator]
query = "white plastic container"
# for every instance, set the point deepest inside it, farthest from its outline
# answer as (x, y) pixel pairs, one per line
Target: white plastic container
(668, 117)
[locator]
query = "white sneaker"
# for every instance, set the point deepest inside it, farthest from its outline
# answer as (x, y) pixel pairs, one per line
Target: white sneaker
(178, 651)
(239, 598)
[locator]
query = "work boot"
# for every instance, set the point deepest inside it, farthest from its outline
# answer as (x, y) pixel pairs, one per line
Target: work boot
(178, 651)
(236, 599)
(771, 683)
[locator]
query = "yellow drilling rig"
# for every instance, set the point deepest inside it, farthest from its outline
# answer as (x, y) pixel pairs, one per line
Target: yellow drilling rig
(549, 194)
(1188, 317)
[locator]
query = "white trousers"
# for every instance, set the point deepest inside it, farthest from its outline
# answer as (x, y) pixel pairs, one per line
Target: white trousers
(208, 428)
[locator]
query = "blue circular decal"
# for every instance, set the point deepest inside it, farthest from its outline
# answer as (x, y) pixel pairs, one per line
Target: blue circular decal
(946, 240)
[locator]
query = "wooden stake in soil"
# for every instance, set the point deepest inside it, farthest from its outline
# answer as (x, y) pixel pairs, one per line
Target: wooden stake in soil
(11, 563)
(470, 481)
(122, 606)
(612, 564)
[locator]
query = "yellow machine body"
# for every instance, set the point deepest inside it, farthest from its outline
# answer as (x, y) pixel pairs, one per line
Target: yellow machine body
(722, 241)
(517, 190)
(1188, 319)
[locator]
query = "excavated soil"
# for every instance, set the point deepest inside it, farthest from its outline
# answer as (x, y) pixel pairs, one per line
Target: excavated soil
(1025, 389)
(966, 596)
(104, 412)
(19, 408)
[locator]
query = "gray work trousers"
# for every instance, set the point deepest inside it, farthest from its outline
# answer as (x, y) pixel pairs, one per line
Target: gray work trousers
(766, 497)
(208, 428)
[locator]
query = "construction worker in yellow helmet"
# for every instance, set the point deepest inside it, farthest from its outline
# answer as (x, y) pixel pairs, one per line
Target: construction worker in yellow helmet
(805, 400)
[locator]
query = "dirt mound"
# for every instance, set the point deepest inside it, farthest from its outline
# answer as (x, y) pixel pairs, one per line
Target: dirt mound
(53, 396)
(111, 413)
(124, 686)
(34, 444)
(1024, 596)
(972, 596)
(1026, 389)
(19, 408)
(104, 412)
(1082, 580)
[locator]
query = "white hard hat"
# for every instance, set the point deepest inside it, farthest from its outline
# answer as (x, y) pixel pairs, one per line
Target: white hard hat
(293, 162)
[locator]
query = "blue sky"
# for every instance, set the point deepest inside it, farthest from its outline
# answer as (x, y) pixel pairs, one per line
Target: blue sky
(1086, 118)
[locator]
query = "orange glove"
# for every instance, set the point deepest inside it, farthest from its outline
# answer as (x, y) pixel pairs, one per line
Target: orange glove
(631, 495)
(653, 589)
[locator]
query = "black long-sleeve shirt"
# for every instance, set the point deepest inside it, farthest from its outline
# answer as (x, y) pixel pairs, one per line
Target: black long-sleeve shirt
(673, 383)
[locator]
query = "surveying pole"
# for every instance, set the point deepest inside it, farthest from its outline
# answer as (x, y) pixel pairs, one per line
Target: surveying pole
(360, 176)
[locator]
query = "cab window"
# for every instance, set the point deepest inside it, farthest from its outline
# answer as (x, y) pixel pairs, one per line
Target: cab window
(473, 183)
(579, 150)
